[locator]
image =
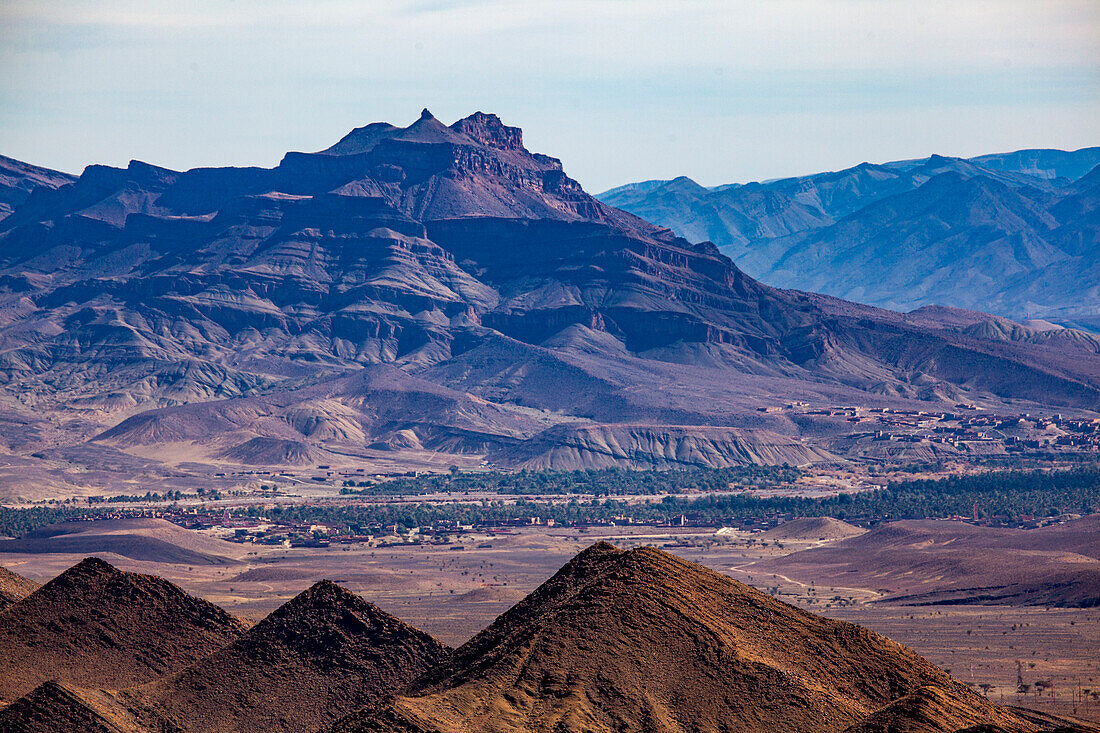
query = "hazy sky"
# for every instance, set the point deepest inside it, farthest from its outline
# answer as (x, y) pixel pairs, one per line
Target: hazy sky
(621, 90)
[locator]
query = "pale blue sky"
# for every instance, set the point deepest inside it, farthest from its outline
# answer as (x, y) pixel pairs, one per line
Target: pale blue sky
(621, 90)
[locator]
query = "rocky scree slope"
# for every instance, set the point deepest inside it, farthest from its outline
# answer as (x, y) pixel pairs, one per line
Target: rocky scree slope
(96, 626)
(323, 654)
(642, 640)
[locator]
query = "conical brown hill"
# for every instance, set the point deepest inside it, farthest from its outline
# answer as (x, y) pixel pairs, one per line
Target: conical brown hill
(318, 657)
(641, 640)
(812, 529)
(14, 587)
(96, 626)
(54, 706)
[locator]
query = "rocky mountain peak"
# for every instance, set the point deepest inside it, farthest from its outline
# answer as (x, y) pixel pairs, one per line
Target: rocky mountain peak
(97, 626)
(19, 180)
(328, 597)
(488, 130)
(629, 640)
(328, 622)
(14, 587)
(454, 253)
(341, 653)
(92, 567)
(427, 129)
(91, 574)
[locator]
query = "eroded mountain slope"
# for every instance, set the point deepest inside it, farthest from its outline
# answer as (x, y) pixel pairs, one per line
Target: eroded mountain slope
(202, 311)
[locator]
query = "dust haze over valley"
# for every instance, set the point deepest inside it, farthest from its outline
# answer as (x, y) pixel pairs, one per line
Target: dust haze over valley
(412, 433)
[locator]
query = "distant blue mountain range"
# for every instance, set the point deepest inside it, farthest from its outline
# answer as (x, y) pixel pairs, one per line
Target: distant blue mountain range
(1016, 234)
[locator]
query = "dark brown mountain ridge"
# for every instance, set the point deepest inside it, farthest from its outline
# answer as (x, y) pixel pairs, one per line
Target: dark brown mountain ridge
(96, 626)
(616, 640)
(58, 706)
(321, 655)
(642, 640)
(13, 587)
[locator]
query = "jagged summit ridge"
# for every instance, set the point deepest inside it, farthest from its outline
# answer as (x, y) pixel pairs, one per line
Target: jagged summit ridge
(488, 130)
(477, 129)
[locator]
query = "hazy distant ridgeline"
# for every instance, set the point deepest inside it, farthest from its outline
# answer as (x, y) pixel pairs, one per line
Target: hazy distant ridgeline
(1016, 234)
